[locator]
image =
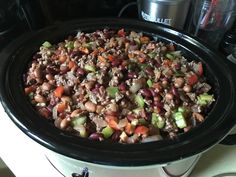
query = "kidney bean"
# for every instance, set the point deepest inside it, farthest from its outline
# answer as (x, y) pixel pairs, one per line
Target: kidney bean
(96, 136)
(187, 88)
(175, 92)
(115, 62)
(146, 92)
(158, 104)
(90, 106)
(80, 72)
(149, 71)
(122, 86)
(116, 136)
(132, 75)
(130, 117)
(40, 99)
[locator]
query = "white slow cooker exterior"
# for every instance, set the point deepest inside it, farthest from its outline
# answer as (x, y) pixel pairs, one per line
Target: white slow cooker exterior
(66, 166)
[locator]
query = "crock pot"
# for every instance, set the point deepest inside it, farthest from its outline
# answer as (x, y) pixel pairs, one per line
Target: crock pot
(77, 157)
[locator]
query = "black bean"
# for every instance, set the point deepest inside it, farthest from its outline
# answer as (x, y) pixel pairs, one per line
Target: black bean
(175, 92)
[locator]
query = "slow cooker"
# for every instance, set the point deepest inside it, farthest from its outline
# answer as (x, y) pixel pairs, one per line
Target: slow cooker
(77, 157)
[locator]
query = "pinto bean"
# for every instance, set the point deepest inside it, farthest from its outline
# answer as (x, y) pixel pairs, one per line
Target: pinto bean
(64, 123)
(90, 106)
(179, 82)
(46, 86)
(187, 88)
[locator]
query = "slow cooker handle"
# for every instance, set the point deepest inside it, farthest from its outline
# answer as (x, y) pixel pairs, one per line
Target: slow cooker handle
(230, 139)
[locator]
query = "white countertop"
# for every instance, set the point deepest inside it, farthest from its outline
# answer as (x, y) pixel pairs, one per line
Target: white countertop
(25, 159)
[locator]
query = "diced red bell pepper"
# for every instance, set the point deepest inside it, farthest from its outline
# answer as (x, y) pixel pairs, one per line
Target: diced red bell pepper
(111, 57)
(121, 32)
(59, 91)
(192, 79)
(62, 58)
(101, 59)
(112, 121)
(141, 60)
(129, 129)
(29, 89)
(141, 130)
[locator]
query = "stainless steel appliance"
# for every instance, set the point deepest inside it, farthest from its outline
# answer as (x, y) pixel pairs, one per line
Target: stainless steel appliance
(169, 12)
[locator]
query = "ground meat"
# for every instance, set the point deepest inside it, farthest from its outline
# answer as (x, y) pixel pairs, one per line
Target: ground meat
(117, 85)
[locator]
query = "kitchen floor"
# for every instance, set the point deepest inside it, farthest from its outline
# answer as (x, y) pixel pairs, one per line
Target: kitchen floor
(4, 171)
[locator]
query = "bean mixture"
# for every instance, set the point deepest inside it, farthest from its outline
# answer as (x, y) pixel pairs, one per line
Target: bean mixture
(117, 85)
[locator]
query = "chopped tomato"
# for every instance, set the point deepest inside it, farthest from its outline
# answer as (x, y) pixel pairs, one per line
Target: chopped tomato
(112, 121)
(141, 130)
(71, 64)
(121, 32)
(59, 91)
(192, 79)
(111, 57)
(200, 69)
(61, 107)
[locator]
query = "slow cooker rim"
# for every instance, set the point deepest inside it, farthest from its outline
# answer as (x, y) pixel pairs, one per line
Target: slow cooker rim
(53, 147)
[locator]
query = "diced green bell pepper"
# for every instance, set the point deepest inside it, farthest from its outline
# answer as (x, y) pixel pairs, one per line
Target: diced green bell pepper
(169, 56)
(149, 83)
(111, 91)
(69, 45)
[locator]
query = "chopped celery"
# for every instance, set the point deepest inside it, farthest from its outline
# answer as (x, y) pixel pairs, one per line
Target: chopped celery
(181, 123)
(149, 83)
(137, 41)
(89, 68)
(170, 56)
(204, 99)
(78, 121)
(69, 45)
(152, 54)
(176, 53)
(139, 100)
(107, 132)
(180, 118)
(137, 111)
(47, 44)
(111, 91)
(157, 120)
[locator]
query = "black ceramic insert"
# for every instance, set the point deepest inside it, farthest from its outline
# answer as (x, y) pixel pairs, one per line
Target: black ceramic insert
(14, 59)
